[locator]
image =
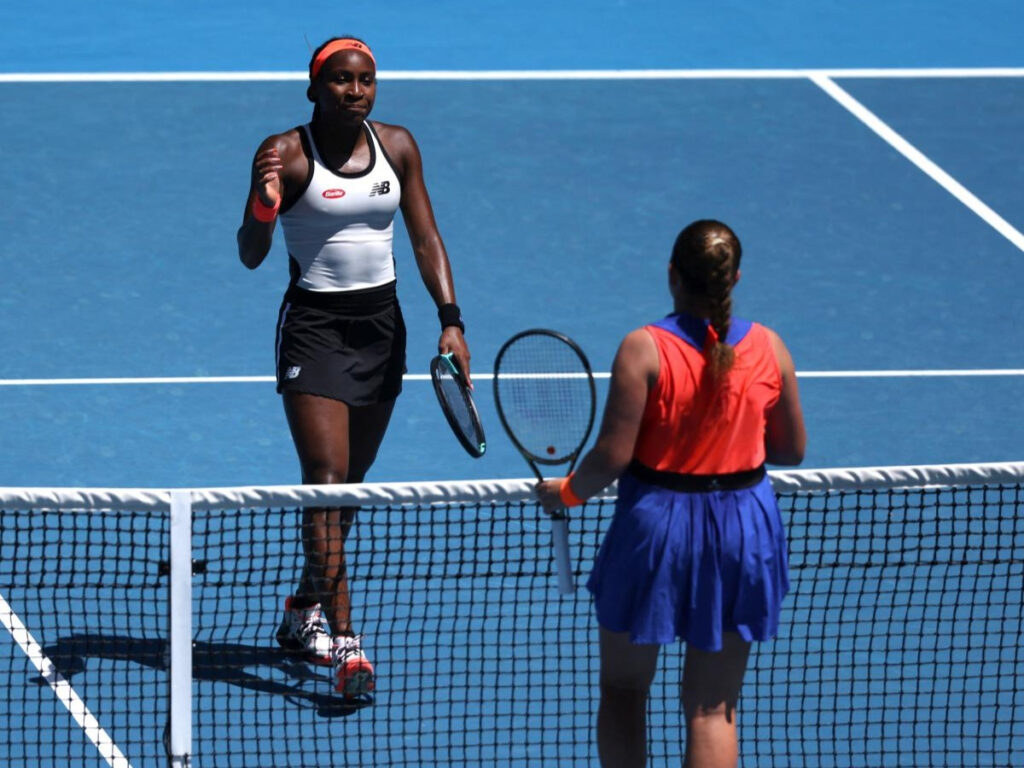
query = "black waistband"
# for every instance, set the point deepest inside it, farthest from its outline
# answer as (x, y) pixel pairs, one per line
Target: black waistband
(673, 481)
(361, 300)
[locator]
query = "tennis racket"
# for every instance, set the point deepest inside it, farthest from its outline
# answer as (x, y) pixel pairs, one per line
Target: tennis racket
(545, 395)
(457, 404)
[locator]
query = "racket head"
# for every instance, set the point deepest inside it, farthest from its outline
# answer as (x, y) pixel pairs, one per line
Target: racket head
(545, 396)
(456, 401)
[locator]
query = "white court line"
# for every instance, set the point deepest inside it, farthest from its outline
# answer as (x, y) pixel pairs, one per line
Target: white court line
(908, 374)
(948, 373)
(61, 687)
(136, 380)
(514, 74)
(918, 158)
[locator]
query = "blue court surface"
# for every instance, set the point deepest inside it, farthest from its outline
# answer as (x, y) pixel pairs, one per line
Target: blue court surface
(867, 155)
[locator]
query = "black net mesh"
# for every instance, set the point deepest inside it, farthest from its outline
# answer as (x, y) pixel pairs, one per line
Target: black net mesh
(900, 642)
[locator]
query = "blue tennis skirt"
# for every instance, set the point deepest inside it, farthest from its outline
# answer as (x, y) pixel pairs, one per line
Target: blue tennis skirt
(691, 565)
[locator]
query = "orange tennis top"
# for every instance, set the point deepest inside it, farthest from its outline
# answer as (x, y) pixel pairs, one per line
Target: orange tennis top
(692, 425)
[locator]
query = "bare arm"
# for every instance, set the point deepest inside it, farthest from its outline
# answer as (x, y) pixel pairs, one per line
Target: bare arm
(785, 438)
(278, 159)
(424, 237)
(633, 374)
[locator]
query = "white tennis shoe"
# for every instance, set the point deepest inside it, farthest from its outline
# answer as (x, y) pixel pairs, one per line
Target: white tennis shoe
(353, 672)
(304, 631)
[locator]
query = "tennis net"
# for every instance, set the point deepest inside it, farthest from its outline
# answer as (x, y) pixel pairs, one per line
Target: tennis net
(900, 642)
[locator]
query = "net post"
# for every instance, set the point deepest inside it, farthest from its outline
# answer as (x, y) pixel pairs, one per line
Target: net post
(179, 752)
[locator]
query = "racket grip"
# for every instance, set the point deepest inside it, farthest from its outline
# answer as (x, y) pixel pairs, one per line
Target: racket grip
(563, 563)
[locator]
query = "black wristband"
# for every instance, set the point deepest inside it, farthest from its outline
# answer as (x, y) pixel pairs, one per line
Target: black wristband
(450, 314)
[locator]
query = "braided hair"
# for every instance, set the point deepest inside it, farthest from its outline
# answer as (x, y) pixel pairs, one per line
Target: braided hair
(706, 255)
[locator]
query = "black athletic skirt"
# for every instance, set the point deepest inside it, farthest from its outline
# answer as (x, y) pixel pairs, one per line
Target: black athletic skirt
(345, 345)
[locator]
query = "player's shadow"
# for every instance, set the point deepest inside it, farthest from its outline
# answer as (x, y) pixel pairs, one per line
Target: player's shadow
(220, 662)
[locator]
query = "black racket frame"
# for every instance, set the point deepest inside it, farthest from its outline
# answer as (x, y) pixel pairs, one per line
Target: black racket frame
(447, 362)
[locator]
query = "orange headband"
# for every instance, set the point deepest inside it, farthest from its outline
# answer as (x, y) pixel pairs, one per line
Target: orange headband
(345, 44)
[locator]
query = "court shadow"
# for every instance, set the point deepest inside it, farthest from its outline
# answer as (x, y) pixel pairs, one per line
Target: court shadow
(217, 662)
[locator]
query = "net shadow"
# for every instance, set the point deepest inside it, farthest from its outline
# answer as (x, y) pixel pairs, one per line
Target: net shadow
(228, 663)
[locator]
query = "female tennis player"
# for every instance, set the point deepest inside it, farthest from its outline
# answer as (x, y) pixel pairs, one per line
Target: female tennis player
(698, 402)
(335, 184)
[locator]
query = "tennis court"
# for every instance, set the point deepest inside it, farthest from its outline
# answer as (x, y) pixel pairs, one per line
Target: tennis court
(868, 158)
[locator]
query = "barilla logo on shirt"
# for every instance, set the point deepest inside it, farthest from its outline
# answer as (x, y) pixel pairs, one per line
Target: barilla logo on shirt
(334, 194)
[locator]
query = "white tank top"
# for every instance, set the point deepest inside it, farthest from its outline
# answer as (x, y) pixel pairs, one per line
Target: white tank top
(340, 231)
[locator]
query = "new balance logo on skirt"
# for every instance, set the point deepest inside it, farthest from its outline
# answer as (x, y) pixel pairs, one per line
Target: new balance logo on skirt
(380, 188)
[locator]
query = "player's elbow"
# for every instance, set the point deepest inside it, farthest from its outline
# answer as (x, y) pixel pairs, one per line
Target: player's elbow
(787, 451)
(248, 261)
(428, 250)
(785, 438)
(611, 460)
(249, 254)
(785, 458)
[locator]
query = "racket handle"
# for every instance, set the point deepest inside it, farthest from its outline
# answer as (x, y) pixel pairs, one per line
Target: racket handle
(563, 563)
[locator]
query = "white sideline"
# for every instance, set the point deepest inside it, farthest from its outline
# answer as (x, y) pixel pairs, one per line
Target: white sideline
(918, 158)
(61, 687)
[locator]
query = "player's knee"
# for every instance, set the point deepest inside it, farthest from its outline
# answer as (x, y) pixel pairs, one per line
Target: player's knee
(325, 474)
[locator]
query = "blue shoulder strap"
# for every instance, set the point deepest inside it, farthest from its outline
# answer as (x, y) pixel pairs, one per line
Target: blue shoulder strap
(694, 330)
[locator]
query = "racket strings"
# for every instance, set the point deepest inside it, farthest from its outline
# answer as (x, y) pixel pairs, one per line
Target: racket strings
(458, 407)
(455, 399)
(544, 389)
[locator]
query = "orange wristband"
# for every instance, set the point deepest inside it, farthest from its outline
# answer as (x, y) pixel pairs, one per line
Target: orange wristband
(565, 493)
(264, 213)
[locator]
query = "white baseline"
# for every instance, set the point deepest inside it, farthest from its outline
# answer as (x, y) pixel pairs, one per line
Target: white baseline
(517, 74)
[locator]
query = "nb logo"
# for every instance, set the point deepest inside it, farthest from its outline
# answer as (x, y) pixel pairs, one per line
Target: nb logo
(380, 188)
(293, 372)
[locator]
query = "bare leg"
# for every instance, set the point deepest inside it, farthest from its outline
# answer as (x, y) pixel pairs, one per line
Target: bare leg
(336, 443)
(710, 690)
(627, 671)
